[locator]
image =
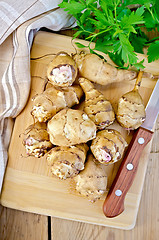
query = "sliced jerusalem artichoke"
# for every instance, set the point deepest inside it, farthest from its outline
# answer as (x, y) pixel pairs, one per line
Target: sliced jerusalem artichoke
(98, 71)
(52, 100)
(70, 127)
(62, 70)
(108, 146)
(131, 110)
(37, 141)
(66, 162)
(92, 181)
(97, 107)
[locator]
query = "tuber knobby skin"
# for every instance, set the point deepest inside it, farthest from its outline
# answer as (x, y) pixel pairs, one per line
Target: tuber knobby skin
(66, 162)
(108, 146)
(62, 70)
(97, 107)
(131, 110)
(52, 100)
(70, 127)
(37, 141)
(98, 71)
(92, 181)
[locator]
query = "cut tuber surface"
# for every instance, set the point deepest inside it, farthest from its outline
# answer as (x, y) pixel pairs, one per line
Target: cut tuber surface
(108, 146)
(62, 70)
(36, 140)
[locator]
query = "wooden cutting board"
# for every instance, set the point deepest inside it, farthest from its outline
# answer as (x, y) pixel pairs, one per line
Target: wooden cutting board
(28, 183)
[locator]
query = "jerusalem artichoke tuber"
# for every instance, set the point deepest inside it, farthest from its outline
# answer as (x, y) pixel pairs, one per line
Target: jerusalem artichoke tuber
(96, 106)
(37, 141)
(52, 100)
(92, 181)
(62, 70)
(131, 110)
(98, 71)
(66, 162)
(70, 127)
(108, 146)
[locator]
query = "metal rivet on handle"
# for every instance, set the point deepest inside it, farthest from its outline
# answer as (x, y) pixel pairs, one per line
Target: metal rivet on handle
(118, 192)
(141, 140)
(129, 166)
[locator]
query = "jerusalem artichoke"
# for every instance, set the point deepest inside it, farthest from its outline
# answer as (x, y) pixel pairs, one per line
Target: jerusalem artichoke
(131, 110)
(62, 70)
(98, 71)
(66, 162)
(70, 127)
(96, 106)
(92, 181)
(37, 141)
(108, 146)
(52, 100)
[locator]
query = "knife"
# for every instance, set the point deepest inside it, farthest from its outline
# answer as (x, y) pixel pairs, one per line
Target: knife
(114, 202)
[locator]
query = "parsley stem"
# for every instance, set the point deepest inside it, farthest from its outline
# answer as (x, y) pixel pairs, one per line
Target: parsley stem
(99, 33)
(91, 41)
(86, 31)
(152, 40)
(115, 13)
(151, 12)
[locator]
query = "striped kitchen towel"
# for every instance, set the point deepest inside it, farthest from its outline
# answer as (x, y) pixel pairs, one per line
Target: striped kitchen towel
(20, 20)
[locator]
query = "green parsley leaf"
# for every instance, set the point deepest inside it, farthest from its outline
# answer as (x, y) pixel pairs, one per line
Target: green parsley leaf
(77, 34)
(106, 4)
(122, 12)
(97, 23)
(127, 50)
(156, 6)
(117, 59)
(140, 11)
(132, 19)
(89, 1)
(139, 65)
(138, 42)
(115, 28)
(104, 47)
(85, 16)
(153, 52)
(150, 22)
(101, 17)
(80, 45)
(72, 8)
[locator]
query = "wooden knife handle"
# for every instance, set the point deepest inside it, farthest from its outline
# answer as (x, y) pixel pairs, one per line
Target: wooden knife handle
(114, 202)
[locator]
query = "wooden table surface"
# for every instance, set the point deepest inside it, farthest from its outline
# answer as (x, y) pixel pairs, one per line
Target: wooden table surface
(18, 225)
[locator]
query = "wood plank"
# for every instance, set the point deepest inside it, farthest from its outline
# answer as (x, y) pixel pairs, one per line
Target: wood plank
(17, 225)
(147, 224)
(28, 184)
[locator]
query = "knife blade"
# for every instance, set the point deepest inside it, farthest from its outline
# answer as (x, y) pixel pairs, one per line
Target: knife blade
(114, 202)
